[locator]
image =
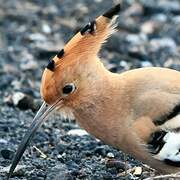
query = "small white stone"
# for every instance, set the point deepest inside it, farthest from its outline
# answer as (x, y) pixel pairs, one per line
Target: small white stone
(46, 29)
(133, 38)
(3, 141)
(146, 64)
(59, 156)
(148, 27)
(77, 132)
(37, 37)
(17, 97)
(110, 155)
(124, 64)
(160, 17)
(16, 84)
(10, 48)
(138, 171)
(98, 1)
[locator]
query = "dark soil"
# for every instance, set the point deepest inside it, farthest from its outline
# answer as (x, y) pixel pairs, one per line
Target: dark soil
(31, 33)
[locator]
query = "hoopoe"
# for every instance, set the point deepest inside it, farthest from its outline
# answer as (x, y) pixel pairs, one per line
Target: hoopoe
(137, 111)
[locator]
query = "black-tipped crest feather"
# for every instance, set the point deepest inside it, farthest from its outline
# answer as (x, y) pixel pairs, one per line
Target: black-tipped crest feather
(90, 27)
(112, 12)
(61, 53)
(51, 65)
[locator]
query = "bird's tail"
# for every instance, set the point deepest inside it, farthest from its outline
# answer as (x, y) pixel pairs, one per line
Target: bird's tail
(134, 148)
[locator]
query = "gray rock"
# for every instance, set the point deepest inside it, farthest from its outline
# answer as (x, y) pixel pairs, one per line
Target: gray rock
(27, 62)
(161, 18)
(117, 164)
(162, 43)
(176, 19)
(60, 171)
(7, 154)
(136, 39)
(37, 37)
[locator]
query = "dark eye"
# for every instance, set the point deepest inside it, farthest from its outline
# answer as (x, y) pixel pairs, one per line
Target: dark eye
(69, 88)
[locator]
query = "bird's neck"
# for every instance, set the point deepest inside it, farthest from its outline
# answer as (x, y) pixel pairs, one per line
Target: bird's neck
(101, 109)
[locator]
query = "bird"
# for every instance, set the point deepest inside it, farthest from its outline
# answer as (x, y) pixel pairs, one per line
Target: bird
(136, 111)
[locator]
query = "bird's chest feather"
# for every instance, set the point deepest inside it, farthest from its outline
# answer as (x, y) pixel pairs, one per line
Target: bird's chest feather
(104, 121)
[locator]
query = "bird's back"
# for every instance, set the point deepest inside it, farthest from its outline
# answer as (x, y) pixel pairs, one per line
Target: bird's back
(155, 101)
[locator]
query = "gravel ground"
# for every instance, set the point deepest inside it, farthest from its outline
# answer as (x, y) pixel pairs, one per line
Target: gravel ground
(32, 32)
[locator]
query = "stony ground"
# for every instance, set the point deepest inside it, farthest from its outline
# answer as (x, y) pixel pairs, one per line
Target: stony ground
(31, 33)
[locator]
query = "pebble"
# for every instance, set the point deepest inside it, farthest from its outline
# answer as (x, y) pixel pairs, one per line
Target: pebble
(61, 148)
(27, 63)
(84, 9)
(148, 27)
(112, 67)
(17, 97)
(161, 18)
(176, 19)
(7, 154)
(110, 155)
(169, 6)
(37, 37)
(100, 150)
(138, 171)
(156, 44)
(124, 64)
(6, 80)
(135, 9)
(23, 101)
(46, 28)
(59, 171)
(146, 64)
(161, 6)
(3, 141)
(136, 39)
(77, 132)
(16, 171)
(117, 164)
(98, 1)
(16, 84)
(172, 63)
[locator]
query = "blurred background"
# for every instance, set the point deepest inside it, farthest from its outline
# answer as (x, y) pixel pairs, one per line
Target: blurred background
(31, 33)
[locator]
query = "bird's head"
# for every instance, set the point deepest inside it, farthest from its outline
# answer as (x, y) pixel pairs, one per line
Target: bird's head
(68, 72)
(65, 77)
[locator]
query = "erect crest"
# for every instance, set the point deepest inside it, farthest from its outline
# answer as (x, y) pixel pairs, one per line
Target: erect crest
(89, 40)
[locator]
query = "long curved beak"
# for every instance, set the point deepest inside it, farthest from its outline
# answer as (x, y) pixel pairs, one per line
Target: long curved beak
(38, 120)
